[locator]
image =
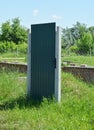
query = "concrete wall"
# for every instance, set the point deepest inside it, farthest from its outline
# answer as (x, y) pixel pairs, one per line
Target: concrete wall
(85, 73)
(13, 66)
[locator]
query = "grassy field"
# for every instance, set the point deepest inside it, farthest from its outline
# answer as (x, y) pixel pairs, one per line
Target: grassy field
(75, 112)
(78, 60)
(88, 60)
(13, 57)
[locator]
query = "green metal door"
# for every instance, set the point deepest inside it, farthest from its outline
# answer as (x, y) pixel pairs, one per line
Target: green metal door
(42, 60)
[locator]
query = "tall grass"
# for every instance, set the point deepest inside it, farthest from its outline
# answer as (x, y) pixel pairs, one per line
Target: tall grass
(10, 87)
(75, 112)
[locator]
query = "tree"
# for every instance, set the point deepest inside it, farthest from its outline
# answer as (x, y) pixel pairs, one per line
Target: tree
(6, 31)
(79, 38)
(85, 43)
(79, 29)
(70, 35)
(67, 39)
(91, 30)
(19, 33)
(13, 32)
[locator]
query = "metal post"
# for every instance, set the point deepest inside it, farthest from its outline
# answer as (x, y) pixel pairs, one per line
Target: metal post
(29, 64)
(58, 65)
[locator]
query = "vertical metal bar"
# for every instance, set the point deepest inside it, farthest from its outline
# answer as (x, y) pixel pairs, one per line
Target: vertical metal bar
(58, 65)
(29, 64)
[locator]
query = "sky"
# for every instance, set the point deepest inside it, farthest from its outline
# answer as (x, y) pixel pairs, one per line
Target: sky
(64, 12)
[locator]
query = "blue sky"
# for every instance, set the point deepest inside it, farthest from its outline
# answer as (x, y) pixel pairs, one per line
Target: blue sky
(64, 12)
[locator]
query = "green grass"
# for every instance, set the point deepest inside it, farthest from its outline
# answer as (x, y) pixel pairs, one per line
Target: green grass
(75, 112)
(13, 57)
(10, 86)
(88, 60)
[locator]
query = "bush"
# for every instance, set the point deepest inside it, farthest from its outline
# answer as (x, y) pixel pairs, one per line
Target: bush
(22, 48)
(74, 49)
(3, 47)
(7, 46)
(12, 47)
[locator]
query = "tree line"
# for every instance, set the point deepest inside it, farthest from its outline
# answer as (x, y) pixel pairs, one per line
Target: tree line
(79, 39)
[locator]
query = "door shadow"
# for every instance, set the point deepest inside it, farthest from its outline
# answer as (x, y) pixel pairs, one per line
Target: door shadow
(21, 102)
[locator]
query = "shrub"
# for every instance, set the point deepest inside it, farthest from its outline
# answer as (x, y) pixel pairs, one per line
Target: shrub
(3, 47)
(74, 48)
(11, 47)
(22, 48)
(7, 46)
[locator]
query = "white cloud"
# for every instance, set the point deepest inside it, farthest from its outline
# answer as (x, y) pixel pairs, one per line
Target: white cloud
(35, 12)
(56, 17)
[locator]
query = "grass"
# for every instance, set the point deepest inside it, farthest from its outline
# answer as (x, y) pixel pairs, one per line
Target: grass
(13, 57)
(75, 112)
(88, 60)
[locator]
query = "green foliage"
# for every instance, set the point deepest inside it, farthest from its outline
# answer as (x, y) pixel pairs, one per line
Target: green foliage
(91, 30)
(2, 47)
(80, 36)
(85, 43)
(76, 110)
(13, 32)
(22, 48)
(7, 46)
(6, 31)
(67, 38)
(74, 48)
(19, 33)
(12, 47)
